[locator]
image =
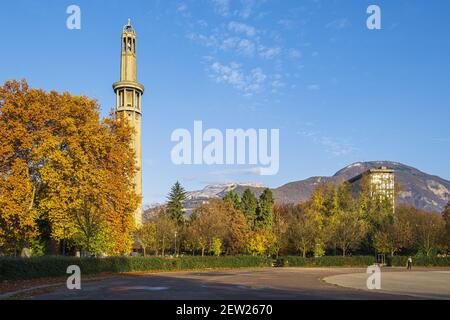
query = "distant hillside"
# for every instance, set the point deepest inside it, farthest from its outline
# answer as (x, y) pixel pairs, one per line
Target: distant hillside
(420, 189)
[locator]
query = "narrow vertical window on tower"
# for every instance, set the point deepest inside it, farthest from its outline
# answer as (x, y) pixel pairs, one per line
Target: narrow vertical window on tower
(137, 101)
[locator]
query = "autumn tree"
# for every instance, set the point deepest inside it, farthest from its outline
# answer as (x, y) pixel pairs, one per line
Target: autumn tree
(145, 235)
(17, 214)
(208, 223)
(166, 228)
(346, 230)
(396, 234)
(218, 219)
(429, 231)
(216, 247)
(305, 230)
(237, 230)
(376, 207)
(27, 119)
(76, 170)
(446, 217)
(280, 229)
(261, 242)
(90, 195)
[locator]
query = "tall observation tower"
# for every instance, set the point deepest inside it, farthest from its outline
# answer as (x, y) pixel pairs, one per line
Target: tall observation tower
(129, 102)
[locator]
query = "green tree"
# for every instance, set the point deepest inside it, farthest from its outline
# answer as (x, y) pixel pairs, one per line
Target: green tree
(146, 236)
(175, 204)
(429, 232)
(249, 205)
(166, 228)
(280, 230)
(216, 247)
(261, 242)
(346, 230)
(234, 198)
(305, 230)
(264, 213)
(395, 235)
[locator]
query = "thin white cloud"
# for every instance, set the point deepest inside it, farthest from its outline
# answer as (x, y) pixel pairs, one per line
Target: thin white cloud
(239, 27)
(247, 8)
(182, 9)
(233, 38)
(286, 23)
(222, 7)
(246, 47)
(208, 41)
(336, 146)
(269, 53)
(251, 171)
(313, 87)
(338, 24)
(234, 75)
(294, 54)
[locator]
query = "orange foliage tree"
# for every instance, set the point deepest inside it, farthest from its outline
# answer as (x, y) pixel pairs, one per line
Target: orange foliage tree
(60, 163)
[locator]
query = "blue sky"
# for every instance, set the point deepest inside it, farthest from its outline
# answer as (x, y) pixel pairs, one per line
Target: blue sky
(338, 92)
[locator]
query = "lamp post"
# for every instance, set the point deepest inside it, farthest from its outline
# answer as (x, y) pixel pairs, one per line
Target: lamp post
(176, 233)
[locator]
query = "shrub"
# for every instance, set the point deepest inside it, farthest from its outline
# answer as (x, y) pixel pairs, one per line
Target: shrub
(422, 261)
(46, 267)
(330, 261)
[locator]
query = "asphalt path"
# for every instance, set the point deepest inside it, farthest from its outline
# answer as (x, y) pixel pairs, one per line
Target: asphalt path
(255, 284)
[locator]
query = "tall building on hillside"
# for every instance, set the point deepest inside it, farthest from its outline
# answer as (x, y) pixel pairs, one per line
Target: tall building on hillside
(129, 102)
(381, 181)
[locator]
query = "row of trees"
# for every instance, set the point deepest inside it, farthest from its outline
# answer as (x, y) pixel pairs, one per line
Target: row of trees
(233, 225)
(66, 177)
(65, 174)
(337, 220)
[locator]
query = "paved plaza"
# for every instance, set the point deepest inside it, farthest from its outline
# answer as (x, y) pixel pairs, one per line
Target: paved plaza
(420, 284)
(261, 284)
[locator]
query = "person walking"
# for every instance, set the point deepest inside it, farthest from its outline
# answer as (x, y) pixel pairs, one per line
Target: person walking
(409, 265)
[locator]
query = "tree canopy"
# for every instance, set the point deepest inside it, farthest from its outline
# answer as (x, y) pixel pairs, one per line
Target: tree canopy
(60, 163)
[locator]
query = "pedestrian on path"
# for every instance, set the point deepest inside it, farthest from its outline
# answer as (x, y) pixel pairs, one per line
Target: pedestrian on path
(409, 264)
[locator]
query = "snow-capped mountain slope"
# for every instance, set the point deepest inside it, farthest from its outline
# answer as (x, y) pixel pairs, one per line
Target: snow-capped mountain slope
(420, 189)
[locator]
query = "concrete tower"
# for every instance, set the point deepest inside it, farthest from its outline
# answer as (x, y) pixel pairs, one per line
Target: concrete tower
(129, 102)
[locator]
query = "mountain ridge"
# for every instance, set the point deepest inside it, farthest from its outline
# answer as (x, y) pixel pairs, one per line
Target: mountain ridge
(422, 190)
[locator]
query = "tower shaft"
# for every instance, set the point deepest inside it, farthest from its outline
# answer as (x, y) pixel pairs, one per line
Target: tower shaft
(129, 104)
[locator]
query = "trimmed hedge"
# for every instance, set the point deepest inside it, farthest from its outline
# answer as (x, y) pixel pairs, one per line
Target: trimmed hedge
(328, 261)
(359, 261)
(423, 261)
(46, 267)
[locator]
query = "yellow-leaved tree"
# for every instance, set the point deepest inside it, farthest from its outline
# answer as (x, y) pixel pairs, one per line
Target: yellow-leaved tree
(76, 171)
